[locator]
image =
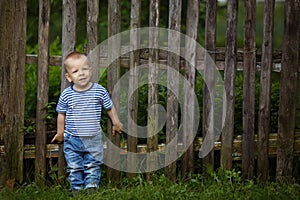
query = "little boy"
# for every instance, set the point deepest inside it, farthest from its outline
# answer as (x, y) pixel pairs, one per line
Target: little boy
(78, 123)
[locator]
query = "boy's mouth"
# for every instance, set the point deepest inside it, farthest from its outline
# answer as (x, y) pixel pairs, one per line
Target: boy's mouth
(82, 79)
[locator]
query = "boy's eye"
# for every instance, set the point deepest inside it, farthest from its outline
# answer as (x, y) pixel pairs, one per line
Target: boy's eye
(75, 71)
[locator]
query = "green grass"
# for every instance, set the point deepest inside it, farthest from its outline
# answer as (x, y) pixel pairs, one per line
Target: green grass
(217, 185)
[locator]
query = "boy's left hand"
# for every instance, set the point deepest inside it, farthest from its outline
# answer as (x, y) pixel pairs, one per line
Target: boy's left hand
(117, 128)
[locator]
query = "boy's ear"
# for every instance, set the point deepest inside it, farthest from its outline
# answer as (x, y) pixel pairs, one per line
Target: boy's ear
(68, 77)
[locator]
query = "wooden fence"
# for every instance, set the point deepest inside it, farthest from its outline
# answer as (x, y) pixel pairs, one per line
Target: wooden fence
(12, 70)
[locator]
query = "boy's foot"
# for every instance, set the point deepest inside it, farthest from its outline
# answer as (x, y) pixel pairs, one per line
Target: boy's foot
(73, 192)
(91, 190)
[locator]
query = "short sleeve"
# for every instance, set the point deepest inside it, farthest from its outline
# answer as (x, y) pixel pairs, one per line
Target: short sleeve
(106, 101)
(61, 105)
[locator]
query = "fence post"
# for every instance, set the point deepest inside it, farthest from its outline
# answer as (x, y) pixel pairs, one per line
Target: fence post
(113, 75)
(12, 89)
(135, 21)
(92, 34)
(288, 94)
(190, 76)
(249, 89)
(152, 142)
(42, 93)
(69, 16)
(229, 83)
(265, 91)
(173, 85)
(209, 80)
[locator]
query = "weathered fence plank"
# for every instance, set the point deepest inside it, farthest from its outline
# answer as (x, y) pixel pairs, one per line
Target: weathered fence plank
(229, 83)
(5, 35)
(153, 60)
(17, 92)
(190, 76)
(68, 45)
(42, 91)
(209, 80)
(12, 89)
(69, 19)
(249, 89)
(288, 94)
(113, 75)
(173, 85)
(135, 23)
(265, 91)
(92, 34)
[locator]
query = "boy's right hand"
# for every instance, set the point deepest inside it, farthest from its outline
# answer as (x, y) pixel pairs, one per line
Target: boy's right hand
(58, 137)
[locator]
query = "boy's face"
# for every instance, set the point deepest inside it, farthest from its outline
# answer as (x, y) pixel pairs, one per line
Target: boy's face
(79, 72)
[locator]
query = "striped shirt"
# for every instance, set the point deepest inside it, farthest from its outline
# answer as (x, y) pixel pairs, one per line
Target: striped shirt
(83, 109)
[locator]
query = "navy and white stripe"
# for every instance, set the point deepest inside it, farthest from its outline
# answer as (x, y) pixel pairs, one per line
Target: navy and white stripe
(83, 109)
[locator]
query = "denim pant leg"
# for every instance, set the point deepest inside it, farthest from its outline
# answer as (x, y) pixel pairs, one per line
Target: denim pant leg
(74, 158)
(92, 161)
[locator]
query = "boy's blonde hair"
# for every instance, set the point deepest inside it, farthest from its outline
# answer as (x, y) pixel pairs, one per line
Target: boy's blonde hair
(73, 55)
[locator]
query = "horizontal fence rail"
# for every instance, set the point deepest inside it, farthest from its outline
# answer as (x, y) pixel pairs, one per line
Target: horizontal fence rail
(52, 149)
(32, 59)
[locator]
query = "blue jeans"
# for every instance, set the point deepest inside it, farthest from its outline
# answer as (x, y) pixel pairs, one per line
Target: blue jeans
(84, 155)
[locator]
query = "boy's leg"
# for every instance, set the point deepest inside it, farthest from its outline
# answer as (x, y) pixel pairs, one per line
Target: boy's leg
(92, 161)
(74, 159)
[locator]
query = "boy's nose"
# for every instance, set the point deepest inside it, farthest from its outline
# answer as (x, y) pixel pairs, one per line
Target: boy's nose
(81, 72)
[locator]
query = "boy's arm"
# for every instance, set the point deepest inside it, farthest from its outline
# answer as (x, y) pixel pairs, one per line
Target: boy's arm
(59, 136)
(117, 125)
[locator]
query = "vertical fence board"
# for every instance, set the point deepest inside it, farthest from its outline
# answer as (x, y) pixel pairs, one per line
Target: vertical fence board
(12, 90)
(265, 91)
(92, 33)
(5, 34)
(135, 21)
(7, 65)
(17, 92)
(209, 80)
(20, 45)
(42, 91)
(152, 140)
(190, 76)
(113, 75)
(173, 85)
(4, 67)
(249, 89)
(288, 94)
(229, 83)
(69, 17)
